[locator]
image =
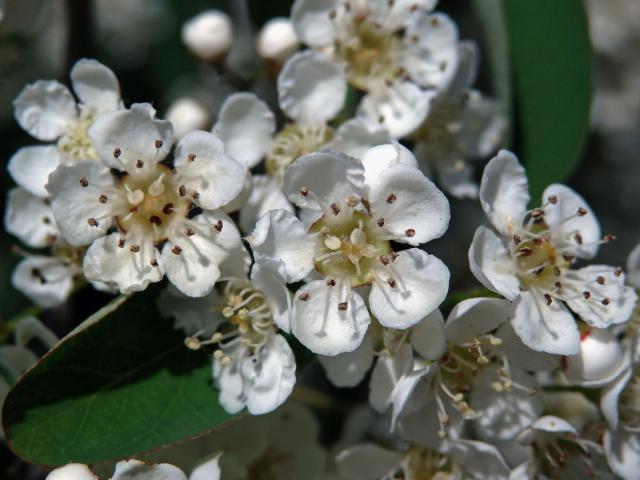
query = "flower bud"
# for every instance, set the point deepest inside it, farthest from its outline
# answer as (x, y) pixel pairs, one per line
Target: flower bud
(208, 35)
(277, 40)
(599, 360)
(186, 115)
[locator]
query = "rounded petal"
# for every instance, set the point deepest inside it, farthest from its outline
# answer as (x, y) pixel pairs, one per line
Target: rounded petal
(30, 219)
(187, 114)
(311, 88)
(123, 137)
(421, 284)
(29, 328)
(378, 158)
(193, 262)
(522, 356)
(475, 317)
(271, 284)
(275, 376)
(552, 424)
(574, 233)
(491, 265)
(74, 204)
(410, 204)
(331, 177)
(96, 85)
(387, 374)
(45, 280)
(137, 470)
(277, 40)
(312, 23)
(354, 138)
(202, 166)
(107, 262)
(209, 470)
(246, 126)
(427, 337)
(349, 369)
(480, 459)
(504, 192)
(266, 195)
(545, 328)
(623, 453)
(282, 240)
(30, 167)
(367, 461)
(45, 109)
(633, 267)
(610, 396)
(400, 108)
(322, 323)
(72, 471)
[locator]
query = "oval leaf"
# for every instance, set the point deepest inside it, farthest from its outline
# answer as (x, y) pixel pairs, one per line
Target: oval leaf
(119, 386)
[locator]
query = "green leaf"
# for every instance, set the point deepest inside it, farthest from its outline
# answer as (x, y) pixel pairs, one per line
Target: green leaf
(114, 388)
(551, 64)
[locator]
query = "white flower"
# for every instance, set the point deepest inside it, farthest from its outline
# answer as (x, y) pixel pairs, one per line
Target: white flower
(187, 114)
(530, 261)
(277, 40)
(462, 125)
(149, 204)
(253, 366)
(209, 35)
(392, 50)
(355, 209)
(48, 111)
(125, 470)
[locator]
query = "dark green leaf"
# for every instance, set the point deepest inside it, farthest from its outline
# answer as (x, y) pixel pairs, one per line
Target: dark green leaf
(551, 64)
(116, 387)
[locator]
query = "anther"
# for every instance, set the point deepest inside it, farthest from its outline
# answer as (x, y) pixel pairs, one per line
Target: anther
(413, 8)
(191, 157)
(525, 252)
(517, 239)
(84, 182)
(558, 285)
(342, 306)
(556, 271)
(352, 201)
(568, 258)
(116, 152)
(391, 198)
(92, 221)
(605, 301)
(159, 143)
(121, 243)
(102, 199)
(618, 271)
(167, 209)
(578, 238)
(553, 199)
(153, 262)
(600, 279)
(195, 195)
(537, 213)
(192, 343)
(380, 222)
(385, 260)
(218, 226)
(582, 212)
(331, 282)
(139, 163)
(134, 248)
(37, 273)
(304, 296)
(189, 232)
(609, 238)
(46, 220)
(391, 282)
(410, 232)
(548, 298)
(304, 191)
(586, 294)
(176, 250)
(335, 209)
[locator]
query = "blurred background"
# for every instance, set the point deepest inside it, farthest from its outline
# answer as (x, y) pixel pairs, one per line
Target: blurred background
(140, 40)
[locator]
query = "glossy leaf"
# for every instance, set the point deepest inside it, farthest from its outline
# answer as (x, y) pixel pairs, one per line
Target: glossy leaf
(551, 65)
(116, 387)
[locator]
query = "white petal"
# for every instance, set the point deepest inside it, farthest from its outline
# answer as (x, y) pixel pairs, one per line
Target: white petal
(321, 325)
(421, 284)
(480, 459)
(388, 372)
(30, 219)
(217, 178)
(522, 356)
(266, 195)
(209, 470)
(238, 263)
(545, 328)
(491, 265)
(191, 314)
(137, 470)
(633, 267)
(552, 424)
(45, 280)
(400, 108)
(331, 177)
(72, 471)
(45, 109)
(610, 397)
(621, 299)
(29, 328)
(246, 126)
(280, 238)
(367, 461)
(475, 317)
(623, 453)
(271, 284)
(277, 40)
(187, 114)
(353, 138)
(312, 23)
(274, 379)
(311, 88)
(466, 69)
(348, 369)
(427, 337)
(229, 380)
(431, 60)
(563, 231)
(457, 179)
(96, 85)
(410, 204)
(73, 205)
(136, 134)
(193, 262)
(377, 159)
(129, 271)
(30, 167)
(504, 192)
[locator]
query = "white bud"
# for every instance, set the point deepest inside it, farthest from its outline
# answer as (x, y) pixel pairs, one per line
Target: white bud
(277, 40)
(187, 115)
(599, 360)
(209, 34)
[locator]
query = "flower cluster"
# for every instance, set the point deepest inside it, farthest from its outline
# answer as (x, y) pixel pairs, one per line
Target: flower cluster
(305, 228)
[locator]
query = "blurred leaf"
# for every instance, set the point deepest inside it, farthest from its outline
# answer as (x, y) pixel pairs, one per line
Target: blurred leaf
(551, 64)
(117, 387)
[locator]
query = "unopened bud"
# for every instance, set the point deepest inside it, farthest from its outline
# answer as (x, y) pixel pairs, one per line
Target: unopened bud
(208, 35)
(277, 40)
(187, 115)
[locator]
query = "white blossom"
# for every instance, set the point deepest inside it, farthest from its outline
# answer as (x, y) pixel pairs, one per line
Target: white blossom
(277, 40)
(187, 114)
(209, 35)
